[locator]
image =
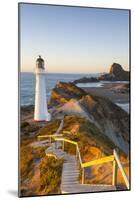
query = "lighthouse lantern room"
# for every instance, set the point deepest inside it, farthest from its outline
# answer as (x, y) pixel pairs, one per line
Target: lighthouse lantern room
(40, 111)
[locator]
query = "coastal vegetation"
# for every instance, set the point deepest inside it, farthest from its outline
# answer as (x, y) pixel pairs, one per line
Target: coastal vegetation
(37, 169)
(40, 174)
(93, 145)
(50, 175)
(94, 122)
(51, 127)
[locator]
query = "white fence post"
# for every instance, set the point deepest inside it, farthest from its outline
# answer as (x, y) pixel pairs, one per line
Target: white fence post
(63, 145)
(121, 169)
(83, 175)
(114, 178)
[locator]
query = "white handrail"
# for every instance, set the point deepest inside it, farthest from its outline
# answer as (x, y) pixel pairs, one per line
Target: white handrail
(121, 169)
(78, 151)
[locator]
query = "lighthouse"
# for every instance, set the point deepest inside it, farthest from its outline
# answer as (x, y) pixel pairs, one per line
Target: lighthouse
(41, 113)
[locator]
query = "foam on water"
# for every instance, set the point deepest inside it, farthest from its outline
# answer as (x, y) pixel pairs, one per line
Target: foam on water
(98, 84)
(27, 84)
(124, 106)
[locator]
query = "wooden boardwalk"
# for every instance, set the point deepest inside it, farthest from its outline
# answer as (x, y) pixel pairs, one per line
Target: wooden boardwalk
(70, 180)
(70, 174)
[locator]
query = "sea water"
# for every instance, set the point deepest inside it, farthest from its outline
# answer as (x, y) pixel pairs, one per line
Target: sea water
(27, 84)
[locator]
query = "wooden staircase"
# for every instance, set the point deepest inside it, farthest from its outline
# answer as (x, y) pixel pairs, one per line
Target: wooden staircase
(70, 173)
(72, 165)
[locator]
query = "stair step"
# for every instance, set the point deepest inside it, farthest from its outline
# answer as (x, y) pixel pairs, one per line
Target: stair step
(67, 172)
(69, 183)
(70, 167)
(70, 178)
(84, 188)
(70, 174)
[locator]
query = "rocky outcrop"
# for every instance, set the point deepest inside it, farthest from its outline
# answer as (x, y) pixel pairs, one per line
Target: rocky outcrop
(123, 88)
(63, 92)
(86, 80)
(116, 73)
(111, 120)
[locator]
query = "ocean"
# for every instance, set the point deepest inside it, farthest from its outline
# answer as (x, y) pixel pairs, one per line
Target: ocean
(27, 84)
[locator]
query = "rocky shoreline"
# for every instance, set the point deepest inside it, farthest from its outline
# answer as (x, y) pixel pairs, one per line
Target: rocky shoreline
(116, 73)
(115, 92)
(110, 91)
(94, 118)
(97, 106)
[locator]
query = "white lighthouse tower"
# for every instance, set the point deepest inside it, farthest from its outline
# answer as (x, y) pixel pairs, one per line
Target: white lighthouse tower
(40, 111)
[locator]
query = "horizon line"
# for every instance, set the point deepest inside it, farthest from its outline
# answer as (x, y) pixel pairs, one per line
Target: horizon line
(65, 72)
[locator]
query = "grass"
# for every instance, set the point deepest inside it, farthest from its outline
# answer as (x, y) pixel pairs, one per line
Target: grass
(26, 162)
(93, 144)
(46, 178)
(51, 128)
(51, 170)
(88, 135)
(34, 161)
(27, 128)
(39, 174)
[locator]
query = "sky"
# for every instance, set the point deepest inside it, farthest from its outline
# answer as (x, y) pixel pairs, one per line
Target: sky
(73, 39)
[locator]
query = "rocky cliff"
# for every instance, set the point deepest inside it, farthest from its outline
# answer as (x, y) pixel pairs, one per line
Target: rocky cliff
(112, 121)
(116, 73)
(63, 92)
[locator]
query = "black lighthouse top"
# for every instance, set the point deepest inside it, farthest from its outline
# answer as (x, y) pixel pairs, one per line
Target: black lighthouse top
(40, 63)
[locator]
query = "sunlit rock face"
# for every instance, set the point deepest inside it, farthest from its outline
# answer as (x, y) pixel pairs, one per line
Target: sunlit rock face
(111, 120)
(63, 92)
(94, 122)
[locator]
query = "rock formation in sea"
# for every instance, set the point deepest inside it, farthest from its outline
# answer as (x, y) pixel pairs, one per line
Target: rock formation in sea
(87, 80)
(116, 73)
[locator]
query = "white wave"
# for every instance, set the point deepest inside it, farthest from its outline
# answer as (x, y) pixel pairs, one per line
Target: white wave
(124, 106)
(98, 84)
